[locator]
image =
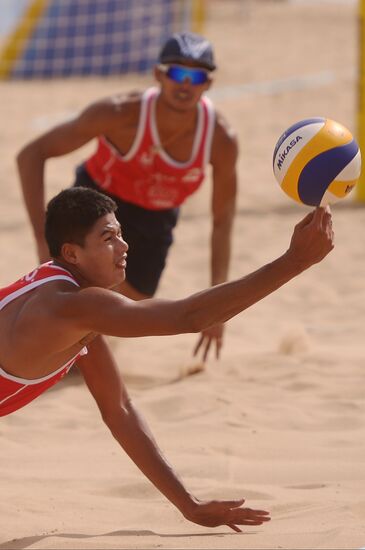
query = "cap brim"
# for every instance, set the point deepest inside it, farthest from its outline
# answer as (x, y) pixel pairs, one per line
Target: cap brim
(175, 59)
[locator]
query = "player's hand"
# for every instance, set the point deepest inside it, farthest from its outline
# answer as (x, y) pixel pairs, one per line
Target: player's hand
(210, 336)
(228, 512)
(312, 239)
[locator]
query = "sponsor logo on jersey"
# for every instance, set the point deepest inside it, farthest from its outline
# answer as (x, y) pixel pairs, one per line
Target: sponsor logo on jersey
(193, 175)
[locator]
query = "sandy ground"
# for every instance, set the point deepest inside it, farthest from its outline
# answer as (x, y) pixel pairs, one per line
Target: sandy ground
(280, 420)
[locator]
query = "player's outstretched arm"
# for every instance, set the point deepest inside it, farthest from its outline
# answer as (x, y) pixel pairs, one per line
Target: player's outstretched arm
(105, 312)
(132, 433)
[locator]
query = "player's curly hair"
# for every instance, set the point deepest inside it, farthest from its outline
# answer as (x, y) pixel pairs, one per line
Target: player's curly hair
(71, 214)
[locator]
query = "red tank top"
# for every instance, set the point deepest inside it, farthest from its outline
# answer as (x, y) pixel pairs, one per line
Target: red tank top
(146, 175)
(17, 392)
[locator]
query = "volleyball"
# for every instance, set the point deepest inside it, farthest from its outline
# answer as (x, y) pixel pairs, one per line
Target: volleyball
(317, 161)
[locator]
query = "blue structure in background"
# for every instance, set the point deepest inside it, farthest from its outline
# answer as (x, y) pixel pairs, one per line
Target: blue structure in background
(96, 37)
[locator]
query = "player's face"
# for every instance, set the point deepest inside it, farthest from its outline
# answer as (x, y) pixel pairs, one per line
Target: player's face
(103, 258)
(182, 85)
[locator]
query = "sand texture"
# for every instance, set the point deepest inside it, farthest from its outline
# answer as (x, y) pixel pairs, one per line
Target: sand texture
(280, 420)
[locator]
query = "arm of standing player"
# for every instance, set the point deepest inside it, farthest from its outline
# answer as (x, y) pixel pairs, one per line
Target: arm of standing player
(132, 433)
(223, 159)
(58, 141)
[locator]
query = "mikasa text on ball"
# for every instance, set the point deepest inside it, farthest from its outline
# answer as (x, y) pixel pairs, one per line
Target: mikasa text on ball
(317, 161)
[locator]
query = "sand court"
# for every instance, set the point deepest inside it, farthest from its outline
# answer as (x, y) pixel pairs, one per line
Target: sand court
(280, 420)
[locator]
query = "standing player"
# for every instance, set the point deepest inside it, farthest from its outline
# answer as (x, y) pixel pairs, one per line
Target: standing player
(57, 314)
(152, 153)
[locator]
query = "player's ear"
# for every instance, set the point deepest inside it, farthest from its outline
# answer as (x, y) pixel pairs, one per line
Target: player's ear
(69, 252)
(208, 83)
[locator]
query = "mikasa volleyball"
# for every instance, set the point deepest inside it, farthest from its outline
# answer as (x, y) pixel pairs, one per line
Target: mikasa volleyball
(317, 161)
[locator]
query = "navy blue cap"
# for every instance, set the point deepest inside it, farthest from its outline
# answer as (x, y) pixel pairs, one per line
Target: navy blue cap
(187, 46)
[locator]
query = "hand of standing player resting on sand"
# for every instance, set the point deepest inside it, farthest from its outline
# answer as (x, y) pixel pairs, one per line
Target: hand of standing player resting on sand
(302, 242)
(210, 336)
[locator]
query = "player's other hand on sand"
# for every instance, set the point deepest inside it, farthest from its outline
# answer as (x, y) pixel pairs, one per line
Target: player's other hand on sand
(210, 337)
(225, 512)
(312, 238)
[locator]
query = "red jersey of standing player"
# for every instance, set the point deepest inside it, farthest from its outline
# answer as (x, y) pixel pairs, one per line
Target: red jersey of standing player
(146, 175)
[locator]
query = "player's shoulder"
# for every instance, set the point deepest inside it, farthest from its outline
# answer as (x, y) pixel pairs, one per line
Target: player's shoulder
(223, 129)
(49, 299)
(59, 300)
(57, 289)
(225, 141)
(120, 105)
(126, 101)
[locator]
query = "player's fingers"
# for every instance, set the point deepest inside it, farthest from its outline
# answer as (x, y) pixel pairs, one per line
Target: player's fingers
(207, 348)
(255, 514)
(324, 217)
(251, 511)
(251, 514)
(253, 521)
(319, 216)
(325, 222)
(258, 519)
(218, 347)
(247, 516)
(198, 346)
(328, 227)
(328, 218)
(232, 504)
(234, 527)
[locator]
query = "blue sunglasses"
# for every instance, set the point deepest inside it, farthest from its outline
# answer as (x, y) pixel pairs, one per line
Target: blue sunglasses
(179, 74)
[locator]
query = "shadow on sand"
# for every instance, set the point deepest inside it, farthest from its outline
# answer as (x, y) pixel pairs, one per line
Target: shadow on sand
(26, 542)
